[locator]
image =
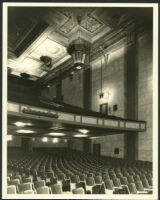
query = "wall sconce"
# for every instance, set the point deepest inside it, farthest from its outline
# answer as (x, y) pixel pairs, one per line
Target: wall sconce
(104, 95)
(101, 95)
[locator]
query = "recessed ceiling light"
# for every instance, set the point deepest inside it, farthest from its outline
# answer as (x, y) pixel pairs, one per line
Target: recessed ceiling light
(55, 140)
(21, 124)
(25, 131)
(80, 135)
(45, 139)
(56, 134)
(84, 131)
(56, 128)
(9, 137)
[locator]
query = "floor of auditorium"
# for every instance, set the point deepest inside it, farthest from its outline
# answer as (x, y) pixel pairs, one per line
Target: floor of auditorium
(66, 171)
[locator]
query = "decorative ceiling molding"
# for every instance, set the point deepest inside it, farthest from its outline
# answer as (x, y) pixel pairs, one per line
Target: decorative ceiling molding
(101, 26)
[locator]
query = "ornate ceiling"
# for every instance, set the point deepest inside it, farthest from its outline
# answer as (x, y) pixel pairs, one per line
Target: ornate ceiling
(47, 31)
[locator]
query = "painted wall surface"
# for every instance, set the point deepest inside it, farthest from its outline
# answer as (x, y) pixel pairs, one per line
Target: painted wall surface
(109, 143)
(113, 88)
(51, 142)
(38, 142)
(72, 90)
(76, 144)
(49, 92)
(145, 94)
(15, 141)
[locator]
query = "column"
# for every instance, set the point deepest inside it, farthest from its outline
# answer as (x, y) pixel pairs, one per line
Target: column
(131, 90)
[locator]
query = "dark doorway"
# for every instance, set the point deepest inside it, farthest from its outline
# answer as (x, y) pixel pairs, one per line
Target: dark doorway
(97, 149)
(104, 108)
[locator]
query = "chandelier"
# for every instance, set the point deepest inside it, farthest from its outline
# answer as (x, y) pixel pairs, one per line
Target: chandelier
(77, 49)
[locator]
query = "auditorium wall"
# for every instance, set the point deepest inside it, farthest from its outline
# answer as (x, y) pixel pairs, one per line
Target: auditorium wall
(145, 94)
(114, 94)
(49, 143)
(72, 89)
(75, 144)
(113, 88)
(14, 141)
(49, 92)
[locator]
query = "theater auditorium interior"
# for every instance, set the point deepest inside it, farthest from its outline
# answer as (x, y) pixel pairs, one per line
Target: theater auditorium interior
(79, 100)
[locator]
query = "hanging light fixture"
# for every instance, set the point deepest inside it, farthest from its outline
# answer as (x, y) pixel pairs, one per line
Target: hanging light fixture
(77, 49)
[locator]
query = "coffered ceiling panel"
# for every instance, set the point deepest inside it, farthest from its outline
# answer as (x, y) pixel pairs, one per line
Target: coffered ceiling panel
(49, 48)
(47, 31)
(28, 65)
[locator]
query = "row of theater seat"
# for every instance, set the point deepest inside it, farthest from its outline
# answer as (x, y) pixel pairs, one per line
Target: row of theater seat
(76, 172)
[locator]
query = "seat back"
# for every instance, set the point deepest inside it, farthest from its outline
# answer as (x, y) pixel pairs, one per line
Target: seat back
(136, 177)
(11, 189)
(90, 175)
(25, 186)
(145, 183)
(78, 191)
(27, 180)
(150, 181)
(56, 189)
(17, 177)
(139, 186)
(66, 186)
(43, 190)
(61, 176)
(116, 182)
(81, 184)
(90, 181)
(15, 182)
(98, 179)
(75, 179)
(124, 180)
(98, 189)
(38, 184)
(8, 179)
(119, 175)
(82, 177)
(49, 174)
(108, 184)
(130, 179)
(125, 189)
(104, 177)
(132, 188)
(54, 180)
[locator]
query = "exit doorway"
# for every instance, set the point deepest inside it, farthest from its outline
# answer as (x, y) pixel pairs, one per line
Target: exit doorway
(97, 149)
(104, 108)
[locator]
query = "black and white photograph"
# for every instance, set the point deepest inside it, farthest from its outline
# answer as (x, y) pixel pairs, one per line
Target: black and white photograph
(80, 101)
